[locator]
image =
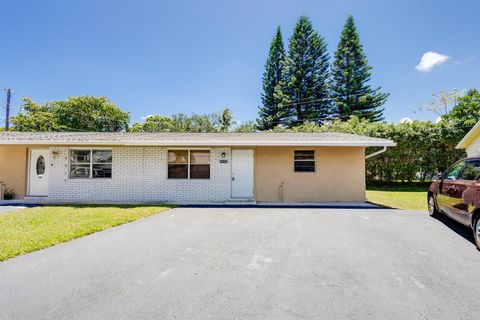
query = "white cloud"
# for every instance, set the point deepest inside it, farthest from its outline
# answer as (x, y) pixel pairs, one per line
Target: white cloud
(406, 120)
(438, 119)
(430, 60)
(146, 117)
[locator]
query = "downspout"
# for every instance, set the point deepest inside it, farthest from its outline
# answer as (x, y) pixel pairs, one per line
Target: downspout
(376, 153)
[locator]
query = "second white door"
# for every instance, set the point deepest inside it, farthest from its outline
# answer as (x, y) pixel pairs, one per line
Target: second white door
(242, 173)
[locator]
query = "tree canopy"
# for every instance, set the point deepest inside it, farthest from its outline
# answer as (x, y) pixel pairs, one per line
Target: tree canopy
(350, 76)
(85, 113)
(304, 89)
(270, 114)
(466, 113)
(213, 122)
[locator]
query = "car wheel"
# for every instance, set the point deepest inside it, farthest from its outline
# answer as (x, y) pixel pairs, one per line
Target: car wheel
(476, 233)
(432, 207)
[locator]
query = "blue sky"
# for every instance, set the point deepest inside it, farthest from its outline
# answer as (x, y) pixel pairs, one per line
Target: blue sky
(163, 57)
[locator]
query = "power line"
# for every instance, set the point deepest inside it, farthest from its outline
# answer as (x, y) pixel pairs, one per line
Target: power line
(301, 102)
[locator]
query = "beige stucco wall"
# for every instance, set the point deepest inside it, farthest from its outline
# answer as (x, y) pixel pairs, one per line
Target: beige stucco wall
(339, 176)
(13, 168)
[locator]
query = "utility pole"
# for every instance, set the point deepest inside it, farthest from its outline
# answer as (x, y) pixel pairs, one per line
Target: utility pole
(7, 118)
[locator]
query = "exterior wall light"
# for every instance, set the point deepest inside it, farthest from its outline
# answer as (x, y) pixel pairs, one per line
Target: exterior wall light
(55, 153)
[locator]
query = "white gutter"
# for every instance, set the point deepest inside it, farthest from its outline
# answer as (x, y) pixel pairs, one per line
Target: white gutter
(376, 153)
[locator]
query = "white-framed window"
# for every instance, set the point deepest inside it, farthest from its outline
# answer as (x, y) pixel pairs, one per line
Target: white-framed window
(304, 161)
(90, 163)
(189, 164)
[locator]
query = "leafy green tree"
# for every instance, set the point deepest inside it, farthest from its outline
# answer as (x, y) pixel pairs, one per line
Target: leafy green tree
(304, 90)
(270, 114)
(35, 117)
(180, 122)
(183, 123)
(89, 113)
(86, 113)
(245, 127)
(154, 123)
(194, 123)
(224, 120)
(203, 123)
(466, 113)
(350, 76)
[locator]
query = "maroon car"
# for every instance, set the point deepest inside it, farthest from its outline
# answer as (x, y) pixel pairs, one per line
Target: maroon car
(456, 193)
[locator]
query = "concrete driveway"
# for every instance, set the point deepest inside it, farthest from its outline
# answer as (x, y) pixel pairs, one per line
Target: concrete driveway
(217, 263)
(4, 209)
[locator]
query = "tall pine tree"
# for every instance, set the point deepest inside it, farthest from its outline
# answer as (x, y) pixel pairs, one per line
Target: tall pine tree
(350, 75)
(304, 91)
(270, 115)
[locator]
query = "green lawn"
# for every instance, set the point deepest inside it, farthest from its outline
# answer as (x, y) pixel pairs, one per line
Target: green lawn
(36, 228)
(399, 198)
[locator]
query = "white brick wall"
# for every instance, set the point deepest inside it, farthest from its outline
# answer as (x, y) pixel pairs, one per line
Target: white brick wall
(139, 174)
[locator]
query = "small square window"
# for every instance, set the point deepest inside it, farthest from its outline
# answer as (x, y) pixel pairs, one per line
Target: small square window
(304, 161)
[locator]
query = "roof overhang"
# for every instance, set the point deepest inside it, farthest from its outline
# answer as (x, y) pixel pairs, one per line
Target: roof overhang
(186, 143)
(469, 137)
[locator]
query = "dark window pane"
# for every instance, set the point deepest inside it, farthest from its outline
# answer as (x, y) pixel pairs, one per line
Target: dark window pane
(80, 156)
(304, 166)
(200, 171)
(454, 171)
(79, 171)
(471, 171)
(102, 156)
(200, 156)
(40, 166)
(304, 155)
(102, 171)
(177, 156)
(177, 171)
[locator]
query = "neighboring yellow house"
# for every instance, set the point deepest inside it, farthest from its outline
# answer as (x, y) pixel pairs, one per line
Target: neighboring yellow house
(186, 167)
(471, 141)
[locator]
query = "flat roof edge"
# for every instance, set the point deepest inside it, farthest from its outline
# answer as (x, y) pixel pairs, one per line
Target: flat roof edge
(206, 143)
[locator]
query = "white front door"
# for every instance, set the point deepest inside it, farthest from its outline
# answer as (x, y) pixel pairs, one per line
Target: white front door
(242, 173)
(38, 173)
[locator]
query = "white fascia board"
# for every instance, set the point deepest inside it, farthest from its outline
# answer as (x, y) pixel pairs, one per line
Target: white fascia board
(207, 143)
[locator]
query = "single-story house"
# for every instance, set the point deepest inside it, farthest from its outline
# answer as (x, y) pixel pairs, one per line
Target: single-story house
(471, 141)
(186, 167)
